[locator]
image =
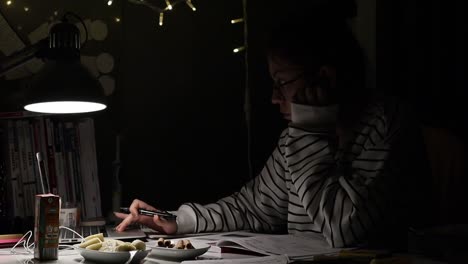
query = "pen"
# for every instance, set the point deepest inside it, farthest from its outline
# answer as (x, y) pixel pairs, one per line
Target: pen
(164, 214)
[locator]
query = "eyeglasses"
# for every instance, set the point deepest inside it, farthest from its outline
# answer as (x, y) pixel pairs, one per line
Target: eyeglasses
(282, 86)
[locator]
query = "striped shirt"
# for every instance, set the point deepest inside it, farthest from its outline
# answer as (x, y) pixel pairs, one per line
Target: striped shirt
(310, 185)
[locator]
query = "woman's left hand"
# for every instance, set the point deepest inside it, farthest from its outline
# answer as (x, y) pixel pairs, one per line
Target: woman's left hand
(320, 92)
(316, 96)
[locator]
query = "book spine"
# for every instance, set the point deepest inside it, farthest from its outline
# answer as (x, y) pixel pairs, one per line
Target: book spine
(69, 163)
(50, 152)
(29, 162)
(40, 145)
(28, 196)
(94, 168)
(89, 167)
(15, 174)
(62, 178)
(4, 188)
(76, 167)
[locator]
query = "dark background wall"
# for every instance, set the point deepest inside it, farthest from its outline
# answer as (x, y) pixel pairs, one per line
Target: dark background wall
(178, 104)
(181, 103)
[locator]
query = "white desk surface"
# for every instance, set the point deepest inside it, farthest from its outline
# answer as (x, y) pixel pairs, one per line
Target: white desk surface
(72, 256)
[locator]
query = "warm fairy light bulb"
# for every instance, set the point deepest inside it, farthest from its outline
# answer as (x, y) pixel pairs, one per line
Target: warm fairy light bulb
(8, 2)
(26, 9)
(239, 49)
(238, 20)
(117, 19)
(169, 6)
(189, 3)
(161, 18)
(109, 3)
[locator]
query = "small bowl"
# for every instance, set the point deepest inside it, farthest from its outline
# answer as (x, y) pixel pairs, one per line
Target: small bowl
(178, 254)
(110, 257)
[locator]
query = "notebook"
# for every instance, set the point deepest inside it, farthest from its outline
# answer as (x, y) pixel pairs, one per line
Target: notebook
(86, 229)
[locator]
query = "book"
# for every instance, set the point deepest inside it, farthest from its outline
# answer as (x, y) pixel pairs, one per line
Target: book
(293, 246)
(256, 260)
(9, 240)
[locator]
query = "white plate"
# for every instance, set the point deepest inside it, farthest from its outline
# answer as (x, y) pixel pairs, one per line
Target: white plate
(110, 257)
(179, 254)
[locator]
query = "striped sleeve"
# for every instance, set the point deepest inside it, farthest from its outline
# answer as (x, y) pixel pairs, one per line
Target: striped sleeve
(346, 197)
(261, 205)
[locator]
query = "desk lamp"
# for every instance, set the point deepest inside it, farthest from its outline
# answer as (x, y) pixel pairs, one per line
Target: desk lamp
(63, 85)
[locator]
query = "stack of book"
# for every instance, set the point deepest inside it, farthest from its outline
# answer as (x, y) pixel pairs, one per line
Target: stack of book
(69, 151)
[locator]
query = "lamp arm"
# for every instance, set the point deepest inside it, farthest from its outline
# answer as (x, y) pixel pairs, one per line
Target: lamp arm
(23, 56)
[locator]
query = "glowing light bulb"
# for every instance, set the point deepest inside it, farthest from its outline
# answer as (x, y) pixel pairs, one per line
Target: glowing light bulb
(117, 19)
(161, 18)
(238, 20)
(239, 49)
(26, 9)
(169, 6)
(189, 3)
(9, 2)
(109, 3)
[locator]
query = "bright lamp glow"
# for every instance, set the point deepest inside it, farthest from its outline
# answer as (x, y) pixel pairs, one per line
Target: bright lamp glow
(65, 107)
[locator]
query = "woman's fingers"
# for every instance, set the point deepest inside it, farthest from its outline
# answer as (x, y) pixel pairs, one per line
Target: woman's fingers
(138, 204)
(120, 215)
(157, 223)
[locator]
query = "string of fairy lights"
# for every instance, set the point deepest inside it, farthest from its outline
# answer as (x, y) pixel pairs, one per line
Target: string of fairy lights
(161, 11)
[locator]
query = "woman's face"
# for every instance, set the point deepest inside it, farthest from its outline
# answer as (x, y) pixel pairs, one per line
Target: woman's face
(287, 79)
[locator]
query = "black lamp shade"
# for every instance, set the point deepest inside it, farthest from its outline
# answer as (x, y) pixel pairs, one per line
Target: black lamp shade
(65, 81)
(64, 85)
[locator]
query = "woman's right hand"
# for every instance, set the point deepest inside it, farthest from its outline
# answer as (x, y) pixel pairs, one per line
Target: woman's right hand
(157, 223)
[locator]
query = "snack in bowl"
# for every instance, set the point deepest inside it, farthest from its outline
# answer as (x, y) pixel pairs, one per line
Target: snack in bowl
(178, 250)
(181, 244)
(139, 245)
(97, 242)
(97, 248)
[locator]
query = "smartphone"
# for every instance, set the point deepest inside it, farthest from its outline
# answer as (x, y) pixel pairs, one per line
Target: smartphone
(164, 214)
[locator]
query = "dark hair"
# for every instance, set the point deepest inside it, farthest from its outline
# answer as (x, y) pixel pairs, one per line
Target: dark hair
(323, 37)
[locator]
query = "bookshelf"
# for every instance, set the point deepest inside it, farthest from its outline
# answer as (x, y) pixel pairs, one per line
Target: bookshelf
(69, 150)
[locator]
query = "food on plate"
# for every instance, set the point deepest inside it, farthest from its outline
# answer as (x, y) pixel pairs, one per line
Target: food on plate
(165, 243)
(95, 246)
(98, 243)
(100, 236)
(109, 245)
(188, 244)
(180, 244)
(139, 245)
(91, 241)
(127, 246)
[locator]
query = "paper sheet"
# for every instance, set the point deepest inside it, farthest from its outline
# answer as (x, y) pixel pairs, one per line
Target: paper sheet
(257, 260)
(294, 246)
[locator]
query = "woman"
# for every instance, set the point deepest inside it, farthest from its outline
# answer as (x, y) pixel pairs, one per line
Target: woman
(337, 169)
